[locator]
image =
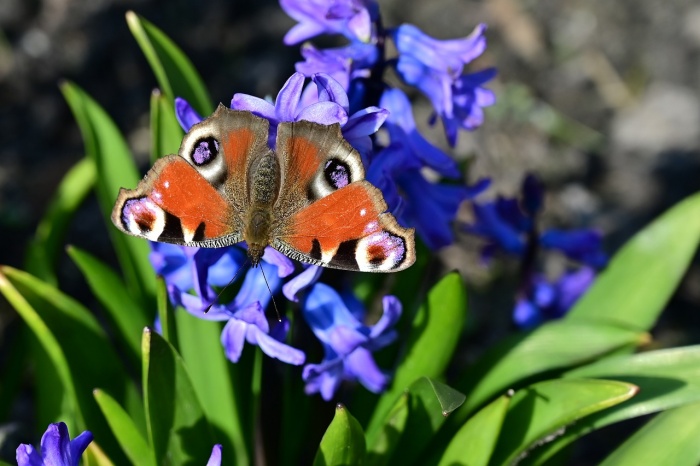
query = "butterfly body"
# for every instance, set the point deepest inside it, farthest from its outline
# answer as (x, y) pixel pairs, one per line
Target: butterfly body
(306, 198)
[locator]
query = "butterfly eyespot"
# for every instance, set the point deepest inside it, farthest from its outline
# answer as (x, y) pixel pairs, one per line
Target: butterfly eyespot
(205, 150)
(337, 174)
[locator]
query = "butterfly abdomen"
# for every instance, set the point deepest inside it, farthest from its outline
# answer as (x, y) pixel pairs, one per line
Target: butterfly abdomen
(263, 183)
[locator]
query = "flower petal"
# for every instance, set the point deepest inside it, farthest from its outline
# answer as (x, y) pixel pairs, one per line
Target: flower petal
(325, 113)
(362, 365)
(26, 455)
(284, 264)
(287, 102)
(186, 115)
(302, 281)
(330, 90)
(392, 312)
(55, 445)
(233, 339)
(79, 444)
(215, 458)
(259, 106)
(276, 349)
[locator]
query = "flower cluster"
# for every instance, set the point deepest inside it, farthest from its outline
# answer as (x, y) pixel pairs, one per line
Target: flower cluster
(435, 68)
(509, 226)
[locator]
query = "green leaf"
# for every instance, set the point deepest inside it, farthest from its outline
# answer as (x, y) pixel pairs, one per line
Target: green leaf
(666, 379)
(200, 345)
(166, 133)
(429, 404)
(635, 287)
(128, 316)
(433, 338)
(554, 345)
(343, 443)
(45, 247)
(387, 439)
(76, 330)
(474, 443)
(175, 73)
(124, 429)
(670, 438)
(115, 169)
(50, 345)
(539, 412)
(178, 430)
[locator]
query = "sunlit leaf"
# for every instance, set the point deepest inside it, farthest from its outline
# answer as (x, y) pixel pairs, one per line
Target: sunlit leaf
(107, 149)
(670, 438)
(433, 338)
(343, 443)
(539, 412)
(633, 290)
(554, 345)
(473, 444)
(166, 133)
(124, 429)
(175, 73)
(385, 442)
(178, 430)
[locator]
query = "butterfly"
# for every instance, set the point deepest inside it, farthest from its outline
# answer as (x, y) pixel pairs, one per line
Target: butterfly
(307, 198)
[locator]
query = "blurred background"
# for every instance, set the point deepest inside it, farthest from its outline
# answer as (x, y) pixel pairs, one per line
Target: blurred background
(599, 98)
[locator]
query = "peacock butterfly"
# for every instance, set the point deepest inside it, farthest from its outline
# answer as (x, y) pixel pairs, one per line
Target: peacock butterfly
(307, 198)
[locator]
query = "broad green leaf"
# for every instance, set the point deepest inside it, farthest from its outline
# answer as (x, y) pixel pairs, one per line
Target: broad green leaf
(115, 169)
(200, 345)
(76, 330)
(554, 345)
(166, 133)
(44, 248)
(473, 444)
(670, 438)
(429, 404)
(385, 442)
(633, 290)
(178, 429)
(49, 343)
(434, 335)
(128, 316)
(666, 379)
(343, 443)
(539, 412)
(124, 429)
(175, 73)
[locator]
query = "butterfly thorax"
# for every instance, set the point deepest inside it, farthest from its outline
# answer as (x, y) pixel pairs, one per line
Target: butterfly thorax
(263, 185)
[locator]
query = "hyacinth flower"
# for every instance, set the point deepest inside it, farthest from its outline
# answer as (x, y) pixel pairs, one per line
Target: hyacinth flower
(348, 344)
(435, 67)
(57, 449)
(185, 269)
(509, 225)
(351, 18)
(545, 300)
(342, 63)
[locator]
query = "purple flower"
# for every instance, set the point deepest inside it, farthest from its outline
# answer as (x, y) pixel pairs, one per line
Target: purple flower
(435, 67)
(347, 343)
(545, 300)
(402, 128)
(468, 100)
(351, 18)
(342, 64)
(186, 115)
(57, 449)
(215, 458)
(509, 224)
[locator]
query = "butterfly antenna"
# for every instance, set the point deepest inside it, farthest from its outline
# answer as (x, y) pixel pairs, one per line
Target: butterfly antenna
(274, 304)
(218, 295)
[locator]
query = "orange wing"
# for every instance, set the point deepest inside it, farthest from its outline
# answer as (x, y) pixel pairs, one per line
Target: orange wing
(349, 229)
